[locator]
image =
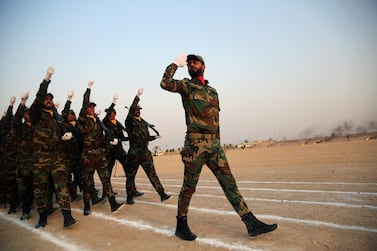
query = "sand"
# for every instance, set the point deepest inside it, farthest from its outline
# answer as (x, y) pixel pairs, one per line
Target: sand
(323, 196)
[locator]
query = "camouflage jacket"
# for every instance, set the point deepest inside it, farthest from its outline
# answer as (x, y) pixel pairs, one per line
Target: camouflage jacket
(200, 102)
(12, 139)
(137, 129)
(46, 130)
(90, 128)
(24, 133)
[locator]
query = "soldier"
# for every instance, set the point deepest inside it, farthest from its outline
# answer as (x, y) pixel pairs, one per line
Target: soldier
(47, 146)
(3, 132)
(11, 148)
(116, 152)
(138, 154)
(72, 149)
(202, 144)
(93, 154)
(24, 170)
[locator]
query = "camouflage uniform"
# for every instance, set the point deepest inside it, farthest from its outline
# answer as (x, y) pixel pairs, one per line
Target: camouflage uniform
(202, 141)
(47, 147)
(25, 163)
(93, 154)
(6, 122)
(11, 149)
(138, 153)
(72, 150)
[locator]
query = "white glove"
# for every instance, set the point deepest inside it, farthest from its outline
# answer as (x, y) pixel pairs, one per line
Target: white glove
(57, 104)
(98, 112)
(139, 92)
(114, 142)
(70, 95)
(90, 84)
(115, 98)
(67, 136)
(49, 73)
(12, 100)
(180, 60)
(24, 97)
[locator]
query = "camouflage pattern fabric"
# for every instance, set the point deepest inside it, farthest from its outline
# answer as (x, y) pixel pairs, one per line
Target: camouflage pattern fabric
(202, 142)
(138, 154)
(95, 160)
(47, 147)
(46, 164)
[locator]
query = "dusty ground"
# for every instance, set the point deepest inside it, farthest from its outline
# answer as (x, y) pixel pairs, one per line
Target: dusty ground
(323, 196)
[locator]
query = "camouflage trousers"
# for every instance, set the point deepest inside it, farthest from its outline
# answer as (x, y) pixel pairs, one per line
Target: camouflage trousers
(11, 181)
(95, 160)
(73, 166)
(141, 156)
(24, 178)
(200, 149)
(45, 165)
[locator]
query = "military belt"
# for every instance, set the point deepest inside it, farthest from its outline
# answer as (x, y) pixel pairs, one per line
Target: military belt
(201, 135)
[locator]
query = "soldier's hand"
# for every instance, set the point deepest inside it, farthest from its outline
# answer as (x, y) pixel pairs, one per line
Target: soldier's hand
(114, 142)
(57, 104)
(67, 136)
(140, 92)
(115, 98)
(12, 100)
(24, 98)
(49, 73)
(180, 60)
(70, 95)
(90, 84)
(98, 112)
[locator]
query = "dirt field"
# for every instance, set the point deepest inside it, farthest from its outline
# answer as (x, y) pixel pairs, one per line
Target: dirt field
(323, 196)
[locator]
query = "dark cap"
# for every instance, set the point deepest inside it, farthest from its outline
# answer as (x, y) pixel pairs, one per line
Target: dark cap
(92, 103)
(195, 57)
(49, 95)
(138, 107)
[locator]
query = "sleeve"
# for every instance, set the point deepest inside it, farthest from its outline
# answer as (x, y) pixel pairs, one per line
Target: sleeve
(85, 102)
(132, 109)
(67, 107)
(169, 83)
(35, 108)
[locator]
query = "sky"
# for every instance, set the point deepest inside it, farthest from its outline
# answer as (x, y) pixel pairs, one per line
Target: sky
(283, 69)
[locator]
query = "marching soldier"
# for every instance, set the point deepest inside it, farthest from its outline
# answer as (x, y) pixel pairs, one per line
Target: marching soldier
(93, 154)
(47, 146)
(139, 154)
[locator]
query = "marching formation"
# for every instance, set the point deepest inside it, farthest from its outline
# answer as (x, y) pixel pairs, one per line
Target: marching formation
(46, 153)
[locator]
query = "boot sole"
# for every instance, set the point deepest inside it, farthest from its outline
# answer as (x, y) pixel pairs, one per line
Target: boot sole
(72, 225)
(182, 237)
(263, 232)
(118, 209)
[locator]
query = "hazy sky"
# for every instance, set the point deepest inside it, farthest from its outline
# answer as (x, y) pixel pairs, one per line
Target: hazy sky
(283, 69)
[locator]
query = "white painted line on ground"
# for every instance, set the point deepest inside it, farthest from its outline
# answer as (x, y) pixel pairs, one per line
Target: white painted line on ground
(168, 231)
(274, 189)
(61, 242)
(272, 217)
(270, 182)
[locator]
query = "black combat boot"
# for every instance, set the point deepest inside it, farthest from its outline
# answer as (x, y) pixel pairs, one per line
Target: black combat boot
(130, 199)
(42, 220)
(69, 221)
(25, 214)
(183, 231)
(137, 193)
(12, 207)
(115, 206)
(256, 227)
(96, 199)
(164, 196)
(87, 208)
